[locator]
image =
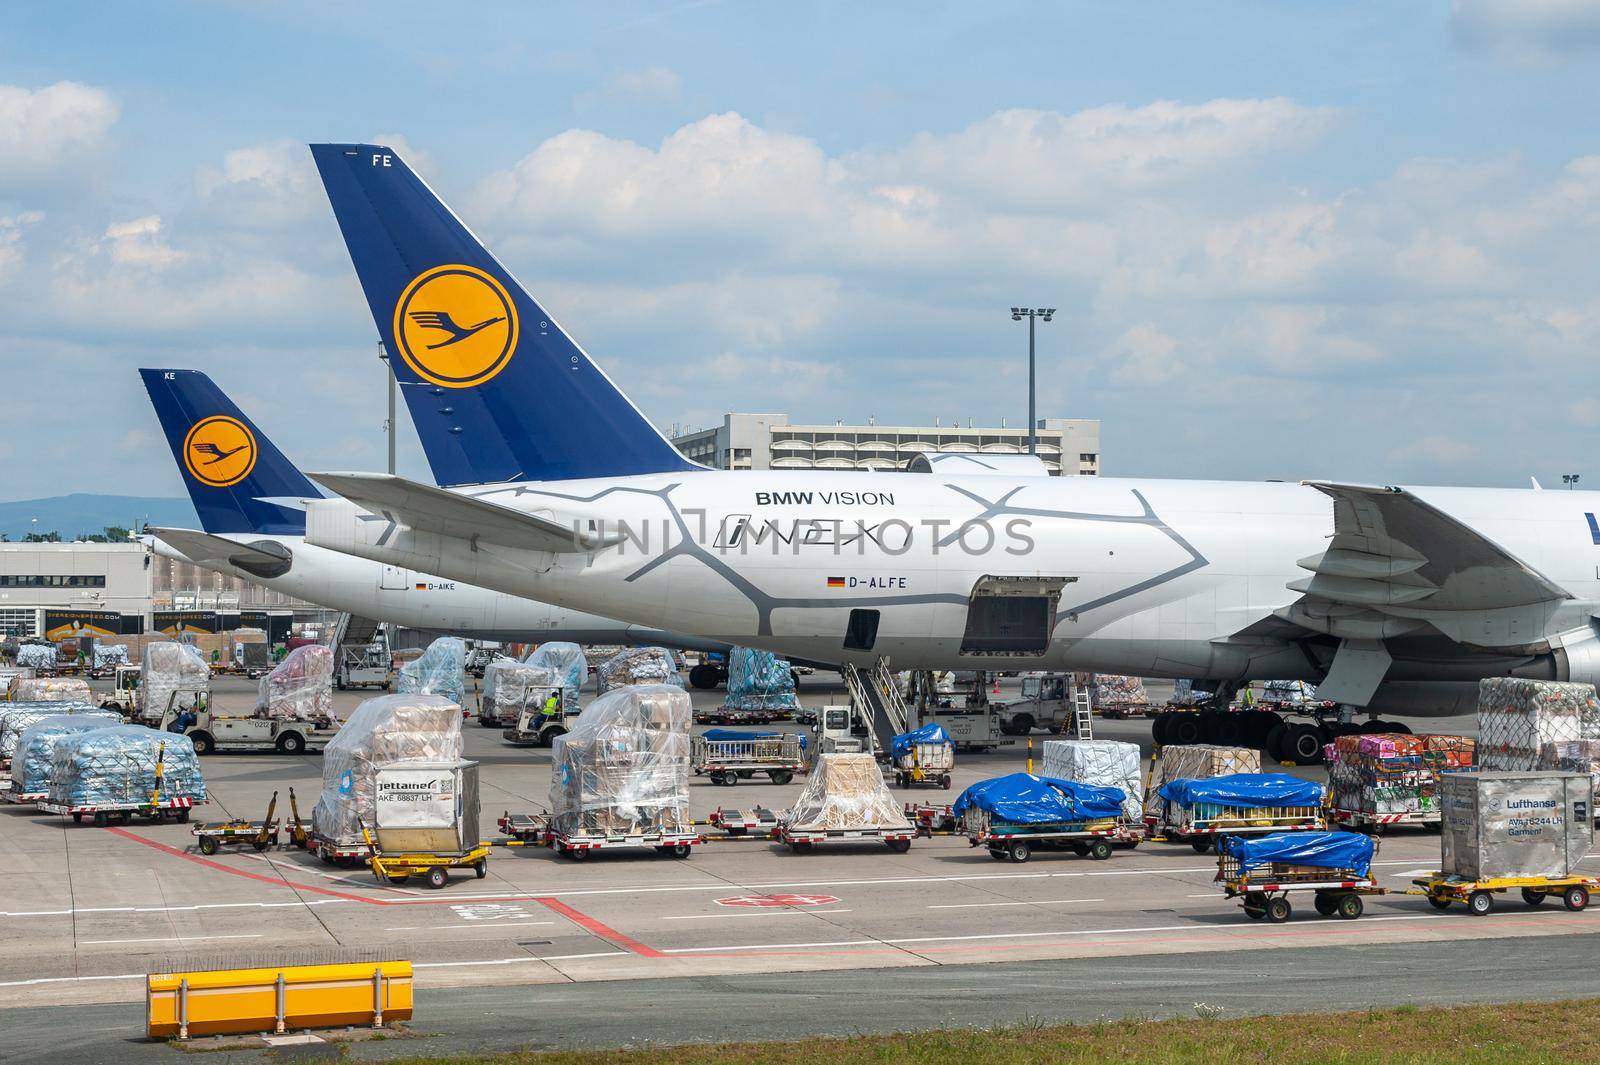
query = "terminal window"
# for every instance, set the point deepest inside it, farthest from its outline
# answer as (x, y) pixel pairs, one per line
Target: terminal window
(46, 580)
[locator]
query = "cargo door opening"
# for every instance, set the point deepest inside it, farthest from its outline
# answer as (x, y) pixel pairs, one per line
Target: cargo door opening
(1012, 616)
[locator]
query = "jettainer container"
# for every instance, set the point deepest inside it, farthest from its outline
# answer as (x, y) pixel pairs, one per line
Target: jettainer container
(1515, 824)
(427, 807)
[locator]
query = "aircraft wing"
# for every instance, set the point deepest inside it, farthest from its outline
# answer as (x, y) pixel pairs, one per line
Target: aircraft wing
(437, 510)
(1397, 565)
(203, 547)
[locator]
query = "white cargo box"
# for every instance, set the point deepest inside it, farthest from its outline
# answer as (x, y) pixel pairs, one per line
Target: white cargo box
(426, 807)
(1515, 824)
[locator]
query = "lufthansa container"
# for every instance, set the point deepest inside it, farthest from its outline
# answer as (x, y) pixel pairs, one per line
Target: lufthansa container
(426, 807)
(1515, 824)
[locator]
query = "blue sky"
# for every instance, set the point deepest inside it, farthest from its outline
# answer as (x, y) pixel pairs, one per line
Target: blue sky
(1286, 240)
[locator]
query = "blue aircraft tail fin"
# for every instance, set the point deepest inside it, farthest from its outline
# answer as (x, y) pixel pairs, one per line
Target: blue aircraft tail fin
(497, 390)
(233, 472)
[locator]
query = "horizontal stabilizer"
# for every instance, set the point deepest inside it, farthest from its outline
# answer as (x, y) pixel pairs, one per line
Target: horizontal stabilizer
(203, 547)
(437, 510)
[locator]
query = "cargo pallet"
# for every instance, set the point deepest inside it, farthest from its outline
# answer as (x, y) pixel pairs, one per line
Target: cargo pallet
(1478, 895)
(738, 823)
(930, 818)
(1266, 895)
(1202, 833)
(579, 847)
(1376, 824)
(1016, 843)
(801, 840)
(101, 814)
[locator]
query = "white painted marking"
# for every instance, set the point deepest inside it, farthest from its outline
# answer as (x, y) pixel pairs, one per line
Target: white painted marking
(993, 905)
(505, 961)
(166, 939)
(759, 913)
(175, 909)
(457, 928)
(776, 946)
(71, 979)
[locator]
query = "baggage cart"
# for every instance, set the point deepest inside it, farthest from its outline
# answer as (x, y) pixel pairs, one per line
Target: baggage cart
(1377, 824)
(433, 868)
(338, 852)
(1228, 806)
(801, 840)
(738, 823)
(525, 829)
(1016, 842)
(1478, 895)
(930, 818)
(1264, 893)
(727, 761)
(103, 813)
(579, 846)
(239, 833)
(925, 765)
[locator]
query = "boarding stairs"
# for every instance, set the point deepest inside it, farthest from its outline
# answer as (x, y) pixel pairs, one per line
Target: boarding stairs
(352, 633)
(875, 693)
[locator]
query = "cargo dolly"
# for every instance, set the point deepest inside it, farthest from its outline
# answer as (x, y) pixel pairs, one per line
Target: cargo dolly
(433, 868)
(1265, 893)
(931, 818)
(738, 823)
(727, 761)
(238, 833)
(801, 840)
(524, 829)
(1009, 841)
(579, 846)
(1377, 824)
(156, 808)
(1199, 826)
(1478, 895)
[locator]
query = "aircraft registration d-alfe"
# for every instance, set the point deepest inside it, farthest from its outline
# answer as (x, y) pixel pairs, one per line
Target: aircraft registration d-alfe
(1390, 599)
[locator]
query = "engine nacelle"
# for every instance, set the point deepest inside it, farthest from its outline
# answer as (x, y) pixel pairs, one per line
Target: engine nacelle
(1576, 655)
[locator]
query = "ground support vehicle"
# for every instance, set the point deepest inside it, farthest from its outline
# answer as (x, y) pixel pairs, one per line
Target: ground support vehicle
(124, 694)
(738, 823)
(579, 846)
(1265, 893)
(801, 840)
(1478, 895)
(1377, 824)
(727, 761)
(1016, 842)
(1121, 711)
(524, 829)
(721, 715)
(210, 732)
(926, 765)
(533, 728)
(1201, 824)
(258, 834)
(338, 852)
(433, 868)
(298, 835)
(931, 819)
(103, 813)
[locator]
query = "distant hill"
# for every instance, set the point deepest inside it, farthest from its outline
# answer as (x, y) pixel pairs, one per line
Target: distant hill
(82, 513)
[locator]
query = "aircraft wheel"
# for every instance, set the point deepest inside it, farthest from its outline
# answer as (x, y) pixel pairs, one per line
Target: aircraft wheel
(1184, 729)
(1158, 727)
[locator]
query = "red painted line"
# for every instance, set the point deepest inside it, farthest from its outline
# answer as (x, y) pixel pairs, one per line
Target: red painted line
(209, 864)
(604, 931)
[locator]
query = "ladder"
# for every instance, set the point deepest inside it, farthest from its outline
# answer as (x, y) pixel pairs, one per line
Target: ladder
(1082, 722)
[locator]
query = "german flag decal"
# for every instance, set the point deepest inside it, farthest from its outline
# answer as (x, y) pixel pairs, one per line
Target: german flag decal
(835, 582)
(422, 587)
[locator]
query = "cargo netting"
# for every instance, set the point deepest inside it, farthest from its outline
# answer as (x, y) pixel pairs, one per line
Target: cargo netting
(760, 680)
(845, 791)
(117, 766)
(1393, 773)
(33, 763)
(637, 665)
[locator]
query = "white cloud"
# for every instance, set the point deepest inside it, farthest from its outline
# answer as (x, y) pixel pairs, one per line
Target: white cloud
(139, 243)
(1527, 30)
(41, 130)
(262, 185)
(650, 85)
(1143, 355)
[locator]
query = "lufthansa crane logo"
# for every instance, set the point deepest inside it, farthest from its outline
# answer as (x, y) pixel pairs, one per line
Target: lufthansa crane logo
(219, 451)
(456, 326)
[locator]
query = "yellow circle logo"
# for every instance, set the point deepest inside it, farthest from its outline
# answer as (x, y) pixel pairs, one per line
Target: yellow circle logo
(219, 451)
(456, 326)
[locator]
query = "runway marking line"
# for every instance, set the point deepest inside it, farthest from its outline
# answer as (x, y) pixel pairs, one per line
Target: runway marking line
(992, 905)
(759, 913)
(167, 939)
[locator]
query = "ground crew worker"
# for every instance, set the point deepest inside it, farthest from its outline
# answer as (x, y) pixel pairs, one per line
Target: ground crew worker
(552, 705)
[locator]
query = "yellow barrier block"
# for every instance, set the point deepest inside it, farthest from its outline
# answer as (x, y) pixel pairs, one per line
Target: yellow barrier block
(235, 1001)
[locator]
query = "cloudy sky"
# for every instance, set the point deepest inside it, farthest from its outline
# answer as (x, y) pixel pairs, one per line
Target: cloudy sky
(1286, 239)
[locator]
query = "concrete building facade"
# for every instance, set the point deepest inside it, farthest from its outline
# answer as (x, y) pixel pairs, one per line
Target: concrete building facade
(1069, 446)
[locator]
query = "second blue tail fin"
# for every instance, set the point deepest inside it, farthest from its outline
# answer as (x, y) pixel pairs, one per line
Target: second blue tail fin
(233, 472)
(497, 390)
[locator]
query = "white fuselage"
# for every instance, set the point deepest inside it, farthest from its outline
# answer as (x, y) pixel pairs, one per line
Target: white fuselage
(1161, 574)
(419, 600)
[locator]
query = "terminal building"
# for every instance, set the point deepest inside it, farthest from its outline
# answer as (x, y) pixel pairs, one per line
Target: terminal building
(56, 590)
(1066, 446)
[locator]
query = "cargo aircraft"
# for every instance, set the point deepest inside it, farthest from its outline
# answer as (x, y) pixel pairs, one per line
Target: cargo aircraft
(251, 502)
(552, 484)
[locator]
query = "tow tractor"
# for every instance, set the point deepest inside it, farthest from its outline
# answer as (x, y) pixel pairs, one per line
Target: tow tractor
(210, 731)
(533, 727)
(239, 833)
(124, 694)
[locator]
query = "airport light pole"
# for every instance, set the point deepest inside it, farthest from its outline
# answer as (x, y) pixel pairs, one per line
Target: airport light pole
(1031, 313)
(1570, 480)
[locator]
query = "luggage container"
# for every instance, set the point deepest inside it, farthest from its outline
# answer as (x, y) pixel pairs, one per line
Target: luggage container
(425, 817)
(1499, 825)
(1240, 804)
(923, 757)
(1261, 871)
(727, 756)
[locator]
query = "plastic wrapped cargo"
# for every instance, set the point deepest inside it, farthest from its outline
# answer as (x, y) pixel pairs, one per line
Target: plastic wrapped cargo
(1101, 763)
(300, 687)
(440, 670)
(33, 763)
(50, 690)
(1343, 851)
(17, 718)
(570, 665)
(37, 655)
(1573, 756)
(1244, 791)
(109, 655)
(760, 680)
(845, 791)
(1194, 762)
(1113, 690)
(384, 730)
(1025, 799)
(510, 687)
(170, 667)
(1516, 824)
(117, 766)
(637, 665)
(623, 769)
(1518, 718)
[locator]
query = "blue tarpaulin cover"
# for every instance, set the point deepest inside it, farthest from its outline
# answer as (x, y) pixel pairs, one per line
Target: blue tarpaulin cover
(1324, 850)
(1247, 790)
(1025, 799)
(930, 733)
